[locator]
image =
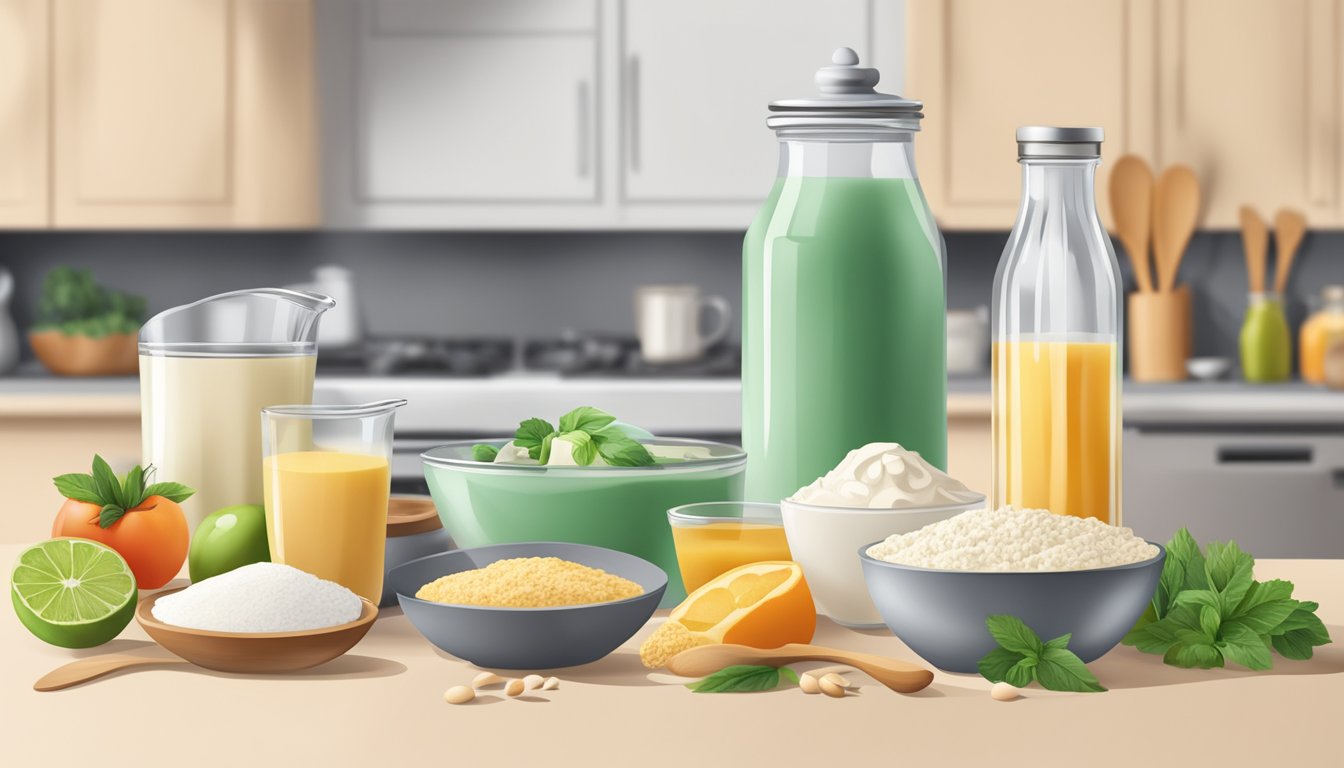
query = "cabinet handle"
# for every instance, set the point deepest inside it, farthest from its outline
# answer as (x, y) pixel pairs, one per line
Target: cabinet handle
(1264, 454)
(632, 104)
(585, 129)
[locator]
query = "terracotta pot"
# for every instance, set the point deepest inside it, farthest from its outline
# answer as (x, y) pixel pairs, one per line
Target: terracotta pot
(112, 355)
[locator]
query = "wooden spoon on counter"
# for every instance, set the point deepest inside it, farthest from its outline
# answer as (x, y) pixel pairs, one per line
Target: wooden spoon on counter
(1289, 229)
(1175, 213)
(899, 676)
(1132, 209)
(84, 670)
(1255, 241)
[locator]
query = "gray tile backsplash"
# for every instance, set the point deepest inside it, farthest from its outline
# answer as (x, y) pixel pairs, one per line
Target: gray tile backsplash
(529, 284)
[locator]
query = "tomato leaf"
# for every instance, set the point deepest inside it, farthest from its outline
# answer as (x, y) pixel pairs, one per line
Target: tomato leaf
(79, 487)
(171, 491)
(105, 480)
(110, 515)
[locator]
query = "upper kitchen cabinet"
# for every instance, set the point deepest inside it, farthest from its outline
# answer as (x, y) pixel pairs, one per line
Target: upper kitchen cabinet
(24, 112)
(1249, 96)
(985, 67)
(469, 113)
(696, 79)
(183, 114)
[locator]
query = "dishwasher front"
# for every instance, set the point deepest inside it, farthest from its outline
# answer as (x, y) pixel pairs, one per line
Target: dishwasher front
(1278, 491)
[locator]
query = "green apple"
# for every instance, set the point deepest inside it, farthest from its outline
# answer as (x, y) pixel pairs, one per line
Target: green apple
(229, 538)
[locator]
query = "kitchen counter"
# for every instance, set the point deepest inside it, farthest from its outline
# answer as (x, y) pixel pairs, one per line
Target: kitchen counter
(381, 705)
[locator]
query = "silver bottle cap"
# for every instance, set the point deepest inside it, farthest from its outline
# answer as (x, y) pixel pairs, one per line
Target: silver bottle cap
(1046, 142)
(847, 99)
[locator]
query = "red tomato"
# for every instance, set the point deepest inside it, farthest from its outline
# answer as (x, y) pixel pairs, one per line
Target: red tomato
(152, 537)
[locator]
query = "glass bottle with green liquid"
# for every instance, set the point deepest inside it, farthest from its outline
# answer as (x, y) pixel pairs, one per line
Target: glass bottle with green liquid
(844, 298)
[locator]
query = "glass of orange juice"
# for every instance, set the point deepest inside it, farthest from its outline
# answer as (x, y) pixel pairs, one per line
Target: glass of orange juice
(326, 474)
(713, 537)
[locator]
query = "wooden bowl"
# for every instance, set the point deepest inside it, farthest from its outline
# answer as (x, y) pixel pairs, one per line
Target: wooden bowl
(112, 355)
(244, 652)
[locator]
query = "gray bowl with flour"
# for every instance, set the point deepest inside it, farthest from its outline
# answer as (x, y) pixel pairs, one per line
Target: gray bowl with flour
(941, 614)
(528, 638)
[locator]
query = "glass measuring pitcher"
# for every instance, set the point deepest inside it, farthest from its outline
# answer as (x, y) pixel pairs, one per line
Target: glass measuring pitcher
(206, 371)
(326, 470)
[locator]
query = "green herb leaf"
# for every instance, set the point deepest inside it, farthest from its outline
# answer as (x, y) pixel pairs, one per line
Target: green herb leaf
(1156, 637)
(1186, 551)
(110, 515)
(995, 665)
(585, 419)
(584, 449)
(1061, 670)
(79, 487)
(1299, 633)
(133, 487)
(1060, 642)
(1009, 632)
(1242, 645)
(483, 452)
(1229, 571)
(1022, 673)
(530, 435)
(105, 480)
(789, 674)
(171, 491)
(1194, 655)
(544, 452)
(1208, 623)
(739, 678)
(621, 451)
(1267, 604)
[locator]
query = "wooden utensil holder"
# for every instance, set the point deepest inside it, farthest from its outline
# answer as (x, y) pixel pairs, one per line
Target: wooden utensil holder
(1159, 334)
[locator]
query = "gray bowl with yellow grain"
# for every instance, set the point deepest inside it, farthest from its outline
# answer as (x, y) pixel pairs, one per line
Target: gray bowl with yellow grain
(528, 638)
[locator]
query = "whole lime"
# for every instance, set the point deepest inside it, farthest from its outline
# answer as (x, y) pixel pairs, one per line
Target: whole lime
(228, 538)
(74, 593)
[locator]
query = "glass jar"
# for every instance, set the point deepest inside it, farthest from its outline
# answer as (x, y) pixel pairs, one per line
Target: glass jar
(844, 302)
(1056, 328)
(1264, 341)
(1323, 327)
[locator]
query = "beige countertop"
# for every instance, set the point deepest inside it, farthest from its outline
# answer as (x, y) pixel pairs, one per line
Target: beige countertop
(381, 705)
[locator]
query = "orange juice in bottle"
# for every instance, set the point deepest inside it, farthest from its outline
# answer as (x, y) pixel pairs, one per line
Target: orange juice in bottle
(1324, 326)
(1057, 320)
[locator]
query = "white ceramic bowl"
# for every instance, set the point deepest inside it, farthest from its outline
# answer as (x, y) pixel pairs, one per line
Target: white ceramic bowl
(1208, 368)
(826, 541)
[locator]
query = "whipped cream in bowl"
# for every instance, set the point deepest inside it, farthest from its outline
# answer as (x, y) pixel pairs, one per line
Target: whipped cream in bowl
(877, 490)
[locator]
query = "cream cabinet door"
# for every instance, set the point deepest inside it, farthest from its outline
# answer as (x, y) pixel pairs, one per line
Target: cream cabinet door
(184, 113)
(24, 128)
(1250, 97)
(985, 67)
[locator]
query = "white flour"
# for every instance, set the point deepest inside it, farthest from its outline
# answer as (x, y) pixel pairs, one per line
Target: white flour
(261, 597)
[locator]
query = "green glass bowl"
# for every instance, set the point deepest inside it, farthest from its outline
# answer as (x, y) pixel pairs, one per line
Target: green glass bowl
(620, 508)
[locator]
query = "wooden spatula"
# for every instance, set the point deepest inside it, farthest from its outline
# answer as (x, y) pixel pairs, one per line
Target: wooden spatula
(1132, 209)
(1289, 229)
(1255, 241)
(1175, 213)
(899, 676)
(84, 670)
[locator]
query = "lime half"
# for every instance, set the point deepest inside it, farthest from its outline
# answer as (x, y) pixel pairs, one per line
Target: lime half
(73, 593)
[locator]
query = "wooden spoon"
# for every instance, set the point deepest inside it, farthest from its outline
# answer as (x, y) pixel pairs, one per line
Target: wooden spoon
(1132, 209)
(1289, 229)
(1175, 213)
(1255, 241)
(900, 676)
(84, 670)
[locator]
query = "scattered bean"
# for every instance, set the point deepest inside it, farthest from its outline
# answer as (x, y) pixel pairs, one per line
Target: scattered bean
(514, 687)
(831, 688)
(551, 684)
(533, 682)
(486, 679)
(809, 683)
(459, 694)
(1004, 692)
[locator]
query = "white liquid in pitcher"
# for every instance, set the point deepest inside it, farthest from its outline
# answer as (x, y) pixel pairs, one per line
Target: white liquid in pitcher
(201, 421)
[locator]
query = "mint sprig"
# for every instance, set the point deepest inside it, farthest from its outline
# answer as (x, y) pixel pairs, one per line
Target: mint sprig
(591, 431)
(116, 496)
(1022, 658)
(1208, 609)
(744, 678)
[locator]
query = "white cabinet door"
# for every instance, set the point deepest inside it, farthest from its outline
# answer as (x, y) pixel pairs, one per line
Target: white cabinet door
(24, 112)
(697, 76)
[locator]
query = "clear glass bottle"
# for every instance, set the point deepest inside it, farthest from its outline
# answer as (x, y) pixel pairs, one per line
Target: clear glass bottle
(1324, 327)
(844, 298)
(1056, 327)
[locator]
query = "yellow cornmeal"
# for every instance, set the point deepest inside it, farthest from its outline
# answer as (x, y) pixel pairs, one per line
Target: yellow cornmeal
(530, 582)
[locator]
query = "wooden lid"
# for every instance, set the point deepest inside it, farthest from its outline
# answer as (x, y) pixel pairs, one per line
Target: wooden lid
(409, 515)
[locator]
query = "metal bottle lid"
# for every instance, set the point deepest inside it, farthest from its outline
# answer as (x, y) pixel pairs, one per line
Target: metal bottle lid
(1046, 142)
(847, 99)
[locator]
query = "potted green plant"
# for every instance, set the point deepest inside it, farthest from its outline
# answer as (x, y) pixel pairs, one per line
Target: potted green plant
(84, 329)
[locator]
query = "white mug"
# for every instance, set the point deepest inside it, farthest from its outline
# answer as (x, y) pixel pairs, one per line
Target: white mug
(668, 321)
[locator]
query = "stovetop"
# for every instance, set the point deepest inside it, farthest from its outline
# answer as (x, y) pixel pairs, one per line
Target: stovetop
(568, 355)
